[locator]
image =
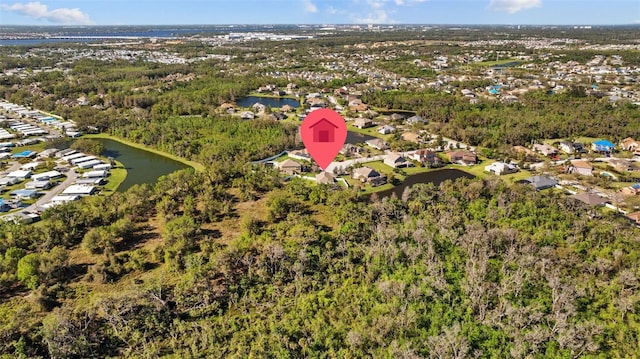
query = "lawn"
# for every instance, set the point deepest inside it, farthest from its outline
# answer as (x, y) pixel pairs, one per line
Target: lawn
(117, 175)
(369, 131)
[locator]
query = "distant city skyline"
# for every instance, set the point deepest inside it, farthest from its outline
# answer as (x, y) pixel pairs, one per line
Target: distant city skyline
(203, 12)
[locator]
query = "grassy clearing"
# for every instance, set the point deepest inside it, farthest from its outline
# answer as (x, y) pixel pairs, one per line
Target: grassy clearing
(117, 175)
(197, 166)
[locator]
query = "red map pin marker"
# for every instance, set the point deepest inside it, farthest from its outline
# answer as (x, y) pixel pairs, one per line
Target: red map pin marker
(323, 132)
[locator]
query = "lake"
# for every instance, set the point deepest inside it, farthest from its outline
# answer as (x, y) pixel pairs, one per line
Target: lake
(275, 102)
(435, 177)
(355, 138)
(142, 166)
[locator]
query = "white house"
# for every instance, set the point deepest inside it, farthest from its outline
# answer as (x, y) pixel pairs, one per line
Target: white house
(501, 168)
(46, 176)
(95, 174)
(20, 175)
(396, 160)
(79, 190)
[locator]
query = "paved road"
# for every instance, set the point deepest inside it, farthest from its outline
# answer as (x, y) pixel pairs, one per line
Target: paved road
(347, 163)
(14, 167)
(71, 178)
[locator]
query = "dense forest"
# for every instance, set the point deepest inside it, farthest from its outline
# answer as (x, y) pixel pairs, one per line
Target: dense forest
(468, 269)
(234, 261)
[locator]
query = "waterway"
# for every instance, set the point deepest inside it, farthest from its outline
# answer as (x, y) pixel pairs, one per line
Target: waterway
(275, 102)
(435, 177)
(142, 166)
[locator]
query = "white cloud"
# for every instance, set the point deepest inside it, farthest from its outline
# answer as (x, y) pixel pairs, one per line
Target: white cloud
(408, 2)
(309, 6)
(38, 10)
(376, 16)
(513, 6)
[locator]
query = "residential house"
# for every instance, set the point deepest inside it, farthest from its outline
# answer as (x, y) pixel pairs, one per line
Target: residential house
(357, 106)
(567, 147)
(581, 167)
(79, 190)
(300, 155)
(542, 182)
(325, 177)
(349, 149)
(426, 157)
(396, 160)
(411, 137)
(603, 146)
(635, 217)
(20, 175)
(290, 167)
(501, 168)
(397, 117)
(415, 120)
(46, 176)
(25, 194)
(369, 175)
(362, 123)
(378, 144)
(37, 185)
(545, 150)
(630, 144)
(386, 129)
(632, 190)
(247, 115)
(621, 165)
(591, 199)
(466, 158)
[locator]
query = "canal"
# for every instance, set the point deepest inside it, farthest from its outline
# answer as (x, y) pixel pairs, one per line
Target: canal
(142, 166)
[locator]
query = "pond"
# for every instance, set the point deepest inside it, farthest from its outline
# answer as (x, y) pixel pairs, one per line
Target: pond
(142, 166)
(275, 102)
(435, 177)
(355, 137)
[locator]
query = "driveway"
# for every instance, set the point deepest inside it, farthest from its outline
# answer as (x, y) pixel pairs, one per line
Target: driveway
(71, 178)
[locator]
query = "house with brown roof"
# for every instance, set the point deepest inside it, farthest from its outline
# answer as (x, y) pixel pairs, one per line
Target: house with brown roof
(635, 217)
(290, 167)
(632, 190)
(378, 144)
(396, 160)
(591, 199)
(621, 165)
(325, 178)
(545, 150)
(349, 149)
(369, 175)
(629, 144)
(581, 167)
(411, 137)
(362, 123)
(466, 158)
(426, 157)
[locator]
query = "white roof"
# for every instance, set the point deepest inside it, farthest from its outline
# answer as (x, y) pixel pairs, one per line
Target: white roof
(78, 189)
(92, 174)
(73, 156)
(19, 174)
(75, 161)
(65, 198)
(45, 175)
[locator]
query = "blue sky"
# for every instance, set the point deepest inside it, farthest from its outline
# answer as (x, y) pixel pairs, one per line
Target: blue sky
(154, 12)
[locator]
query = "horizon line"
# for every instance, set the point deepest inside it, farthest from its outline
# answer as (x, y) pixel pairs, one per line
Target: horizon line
(315, 24)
